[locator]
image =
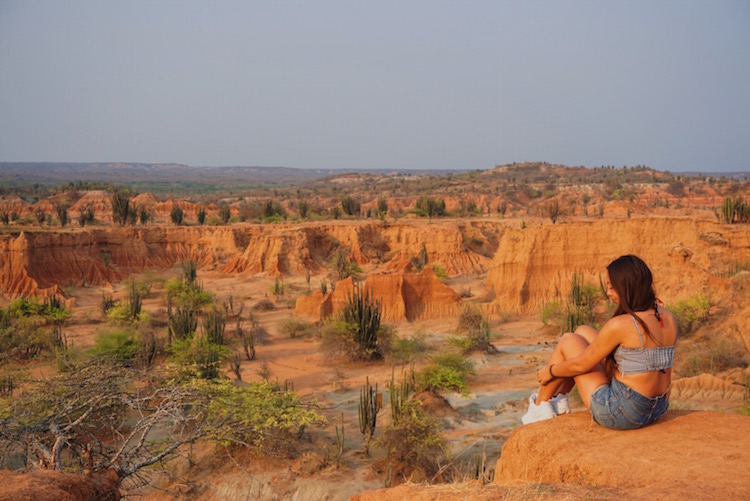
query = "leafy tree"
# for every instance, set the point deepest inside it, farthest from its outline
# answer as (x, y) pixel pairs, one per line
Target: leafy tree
(201, 216)
(101, 416)
(553, 210)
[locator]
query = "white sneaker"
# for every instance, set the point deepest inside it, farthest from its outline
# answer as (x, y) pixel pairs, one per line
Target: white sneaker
(538, 412)
(560, 404)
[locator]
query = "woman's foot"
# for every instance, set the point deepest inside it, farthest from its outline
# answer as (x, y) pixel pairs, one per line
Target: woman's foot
(538, 412)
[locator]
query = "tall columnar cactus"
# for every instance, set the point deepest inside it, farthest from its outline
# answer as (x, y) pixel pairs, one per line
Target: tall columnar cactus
(214, 324)
(135, 300)
(183, 323)
(728, 210)
(370, 402)
(399, 395)
(363, 312)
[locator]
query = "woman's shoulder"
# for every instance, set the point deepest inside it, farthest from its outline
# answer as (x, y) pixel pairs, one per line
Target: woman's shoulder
(618, 323)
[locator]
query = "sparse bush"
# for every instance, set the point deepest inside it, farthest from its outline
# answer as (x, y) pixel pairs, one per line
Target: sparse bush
(476, 326)
(294, 327)
(341, 267)
(264, 305)
(714, 356)
(414, 446)
(691, 312)
(407, 349)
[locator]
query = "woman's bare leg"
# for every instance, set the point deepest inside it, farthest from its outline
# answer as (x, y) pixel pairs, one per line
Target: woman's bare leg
(570, 346)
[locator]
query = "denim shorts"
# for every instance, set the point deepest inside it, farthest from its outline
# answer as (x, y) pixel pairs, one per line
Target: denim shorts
(619, 407)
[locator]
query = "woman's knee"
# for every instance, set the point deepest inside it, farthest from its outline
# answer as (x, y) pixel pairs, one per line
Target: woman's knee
(572, 344)
(587, 332)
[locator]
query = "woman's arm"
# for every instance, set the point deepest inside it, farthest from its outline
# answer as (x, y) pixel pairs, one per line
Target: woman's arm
(610, 336)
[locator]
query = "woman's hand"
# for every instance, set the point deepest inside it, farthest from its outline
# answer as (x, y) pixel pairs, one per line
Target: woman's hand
(544, 375)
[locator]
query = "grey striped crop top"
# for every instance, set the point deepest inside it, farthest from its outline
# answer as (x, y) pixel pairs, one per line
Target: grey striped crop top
(641, 360)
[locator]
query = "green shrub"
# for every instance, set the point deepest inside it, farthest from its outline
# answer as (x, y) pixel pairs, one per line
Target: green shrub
(692, 312)
(440, 272)
(462, 344)
(264, 415)
(450, 372)
(552, 312)
(198, 357)
(121, 345)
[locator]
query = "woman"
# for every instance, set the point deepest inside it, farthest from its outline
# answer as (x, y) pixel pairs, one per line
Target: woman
(639, 339)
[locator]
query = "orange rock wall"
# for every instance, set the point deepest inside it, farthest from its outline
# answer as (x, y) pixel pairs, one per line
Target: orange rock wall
(535, 265)
(525, 267)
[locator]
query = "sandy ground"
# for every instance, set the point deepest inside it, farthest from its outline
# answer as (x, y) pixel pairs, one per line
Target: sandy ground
(479, 423)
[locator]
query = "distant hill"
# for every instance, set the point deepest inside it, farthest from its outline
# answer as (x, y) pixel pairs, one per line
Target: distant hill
(132, 173)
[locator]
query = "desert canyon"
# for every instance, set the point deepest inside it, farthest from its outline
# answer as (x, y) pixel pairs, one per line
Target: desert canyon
(510, 266)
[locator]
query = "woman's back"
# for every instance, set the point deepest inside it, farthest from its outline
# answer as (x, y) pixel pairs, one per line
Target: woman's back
(659, 345)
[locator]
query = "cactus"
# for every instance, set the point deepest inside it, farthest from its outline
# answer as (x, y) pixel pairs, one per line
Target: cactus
(189, 272)
(6, 387)
(399, 395)
(208, 362)
(363, 313)
(235, 363)
(419, 261)
(182, 325)
(214, 324)
(59, 340)
(135, 300)
(370, 402)
(148, 349)
(340, 439)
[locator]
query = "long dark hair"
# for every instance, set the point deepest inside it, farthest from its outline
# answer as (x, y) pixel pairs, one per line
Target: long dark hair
(632, 280)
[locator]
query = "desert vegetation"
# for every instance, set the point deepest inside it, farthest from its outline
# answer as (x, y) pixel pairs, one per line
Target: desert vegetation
(348, 323)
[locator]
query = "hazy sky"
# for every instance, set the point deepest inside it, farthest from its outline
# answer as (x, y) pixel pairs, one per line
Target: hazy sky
(382, 84)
